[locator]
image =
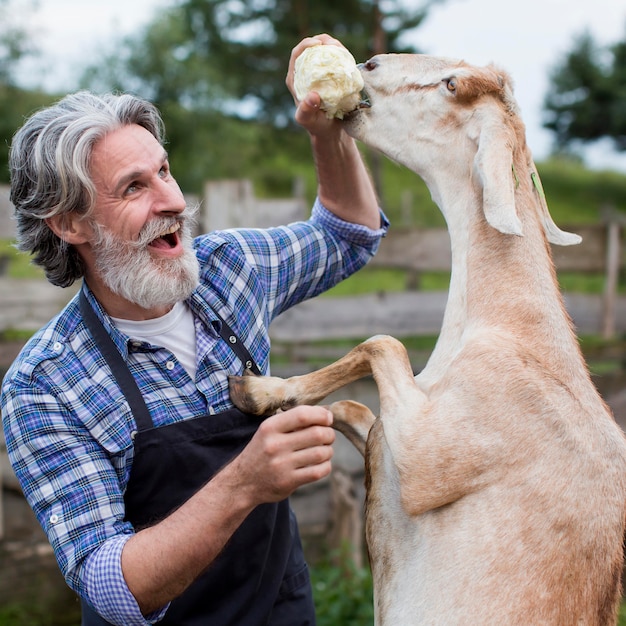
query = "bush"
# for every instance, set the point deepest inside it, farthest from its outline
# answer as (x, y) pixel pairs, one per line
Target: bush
(342, 593)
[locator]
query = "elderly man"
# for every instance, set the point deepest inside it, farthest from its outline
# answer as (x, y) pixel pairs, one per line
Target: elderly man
(162, 502)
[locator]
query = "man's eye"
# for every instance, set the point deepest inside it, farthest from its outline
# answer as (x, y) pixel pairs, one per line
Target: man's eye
(131, 188)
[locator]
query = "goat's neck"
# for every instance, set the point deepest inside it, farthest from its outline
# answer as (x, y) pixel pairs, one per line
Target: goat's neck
(502, 283)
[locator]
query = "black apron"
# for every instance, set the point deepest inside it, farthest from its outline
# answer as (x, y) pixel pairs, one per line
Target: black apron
(260, 577)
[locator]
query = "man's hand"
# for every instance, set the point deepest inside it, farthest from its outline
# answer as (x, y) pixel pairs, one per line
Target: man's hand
(289, 449)
(344, 185)
(308, 114)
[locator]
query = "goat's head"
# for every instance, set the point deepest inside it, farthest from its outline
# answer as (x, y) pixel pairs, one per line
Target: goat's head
(449, 121)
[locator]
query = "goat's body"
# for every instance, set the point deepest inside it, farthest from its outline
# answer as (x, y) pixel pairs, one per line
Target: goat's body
(515, 515)
(496, 478)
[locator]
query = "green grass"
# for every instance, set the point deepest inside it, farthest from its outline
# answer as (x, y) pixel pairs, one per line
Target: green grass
(19, 265)
(378, 280)
(342, 593)
(575, 195)
(20, 614)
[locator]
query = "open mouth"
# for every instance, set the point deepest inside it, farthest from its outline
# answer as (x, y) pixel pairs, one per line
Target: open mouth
(364, 103)
(168, 239)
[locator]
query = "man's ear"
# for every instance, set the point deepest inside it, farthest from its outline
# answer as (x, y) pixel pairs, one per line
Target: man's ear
(73, 229)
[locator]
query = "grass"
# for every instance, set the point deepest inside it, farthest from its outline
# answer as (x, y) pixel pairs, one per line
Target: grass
(376, 280)
(19, 263)
(342, 592)
(17, 614)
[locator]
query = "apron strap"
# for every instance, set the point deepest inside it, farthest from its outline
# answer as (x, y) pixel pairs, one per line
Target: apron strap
(228, 335)
(120, 369)
(118, 366)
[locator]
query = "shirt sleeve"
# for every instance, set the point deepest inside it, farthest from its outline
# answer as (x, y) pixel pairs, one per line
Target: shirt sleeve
(326, 251)
(107, 590)
(274, 269)
(69, 479)
(356, 234)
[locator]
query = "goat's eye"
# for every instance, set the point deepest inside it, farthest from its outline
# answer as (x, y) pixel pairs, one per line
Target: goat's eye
(370, 65)
(450, 84)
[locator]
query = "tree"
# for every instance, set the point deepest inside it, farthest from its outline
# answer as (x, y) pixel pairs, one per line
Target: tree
(587, 97)
(15, 44)
(209, 63)
(231, 55)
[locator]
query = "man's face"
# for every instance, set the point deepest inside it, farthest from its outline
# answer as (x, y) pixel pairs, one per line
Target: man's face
(140, 249)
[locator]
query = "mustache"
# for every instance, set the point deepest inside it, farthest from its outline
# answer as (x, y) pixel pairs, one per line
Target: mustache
(187, 220)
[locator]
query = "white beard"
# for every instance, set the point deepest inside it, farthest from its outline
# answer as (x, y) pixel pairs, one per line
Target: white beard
(129, 270)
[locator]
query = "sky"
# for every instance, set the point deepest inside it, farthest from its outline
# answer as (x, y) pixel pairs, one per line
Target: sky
(527, 39)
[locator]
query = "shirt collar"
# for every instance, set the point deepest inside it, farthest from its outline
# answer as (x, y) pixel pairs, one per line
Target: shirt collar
(203, 303)
(199, 302)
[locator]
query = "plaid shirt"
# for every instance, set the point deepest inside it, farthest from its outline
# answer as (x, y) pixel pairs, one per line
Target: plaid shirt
(68, 427)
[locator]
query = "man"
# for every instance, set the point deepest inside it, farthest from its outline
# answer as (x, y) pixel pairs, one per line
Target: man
(162, 502)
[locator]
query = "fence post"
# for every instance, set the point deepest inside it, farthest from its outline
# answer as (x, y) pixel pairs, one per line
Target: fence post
(613, 222)
(227, 204)
(346, 526)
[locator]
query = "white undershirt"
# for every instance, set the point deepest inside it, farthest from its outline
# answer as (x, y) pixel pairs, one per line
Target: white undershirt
(175, 331)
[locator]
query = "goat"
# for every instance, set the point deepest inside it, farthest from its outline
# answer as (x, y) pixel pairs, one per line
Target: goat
(496, 478)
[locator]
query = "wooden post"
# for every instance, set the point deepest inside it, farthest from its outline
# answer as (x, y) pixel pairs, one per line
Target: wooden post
(406, 208)
(227, 204)
(613, 259)
(346, 525)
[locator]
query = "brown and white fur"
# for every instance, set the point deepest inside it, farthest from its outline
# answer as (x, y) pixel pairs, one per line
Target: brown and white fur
(496, 478)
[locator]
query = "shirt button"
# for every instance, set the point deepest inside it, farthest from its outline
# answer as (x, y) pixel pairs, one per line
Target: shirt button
(58, 347)
(135, 344)
(170, 365)
(54, 519)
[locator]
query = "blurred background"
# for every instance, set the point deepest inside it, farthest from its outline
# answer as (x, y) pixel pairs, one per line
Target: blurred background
(216, 70)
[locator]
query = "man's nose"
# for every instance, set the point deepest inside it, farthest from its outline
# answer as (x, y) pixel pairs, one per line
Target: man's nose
(170, 198)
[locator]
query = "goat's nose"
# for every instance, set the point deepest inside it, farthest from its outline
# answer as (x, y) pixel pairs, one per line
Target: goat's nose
(369, 65)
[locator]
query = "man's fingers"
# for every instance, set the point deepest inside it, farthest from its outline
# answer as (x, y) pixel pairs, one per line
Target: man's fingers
(301, 417)
(307, 42)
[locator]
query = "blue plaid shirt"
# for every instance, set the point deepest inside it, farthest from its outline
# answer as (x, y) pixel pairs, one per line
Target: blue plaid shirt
(66, 422)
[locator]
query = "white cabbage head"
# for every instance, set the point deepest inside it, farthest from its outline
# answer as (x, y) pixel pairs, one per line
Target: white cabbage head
(331, 72)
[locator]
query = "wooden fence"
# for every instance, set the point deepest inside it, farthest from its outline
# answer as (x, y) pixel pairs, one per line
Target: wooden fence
(414, 312)
(27, 305)
(226, 204)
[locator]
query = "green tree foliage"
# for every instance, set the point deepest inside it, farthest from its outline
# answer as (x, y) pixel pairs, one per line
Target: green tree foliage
(14, 41)
(232, 55)
(252, 40)
(15, 103)
(216, 69)
(587, 96)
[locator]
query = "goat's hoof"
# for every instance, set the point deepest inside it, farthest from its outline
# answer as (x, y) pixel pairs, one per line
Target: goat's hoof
(240, 396)
(244, 394)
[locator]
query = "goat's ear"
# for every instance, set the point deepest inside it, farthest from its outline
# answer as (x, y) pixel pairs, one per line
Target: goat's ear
(493, 163)
(554, 234)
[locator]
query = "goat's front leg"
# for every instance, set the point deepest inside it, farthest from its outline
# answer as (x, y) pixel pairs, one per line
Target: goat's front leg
(382, 356)
(264, 395)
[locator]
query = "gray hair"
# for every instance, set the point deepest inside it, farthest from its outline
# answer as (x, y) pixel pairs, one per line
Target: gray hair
(49, 166)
